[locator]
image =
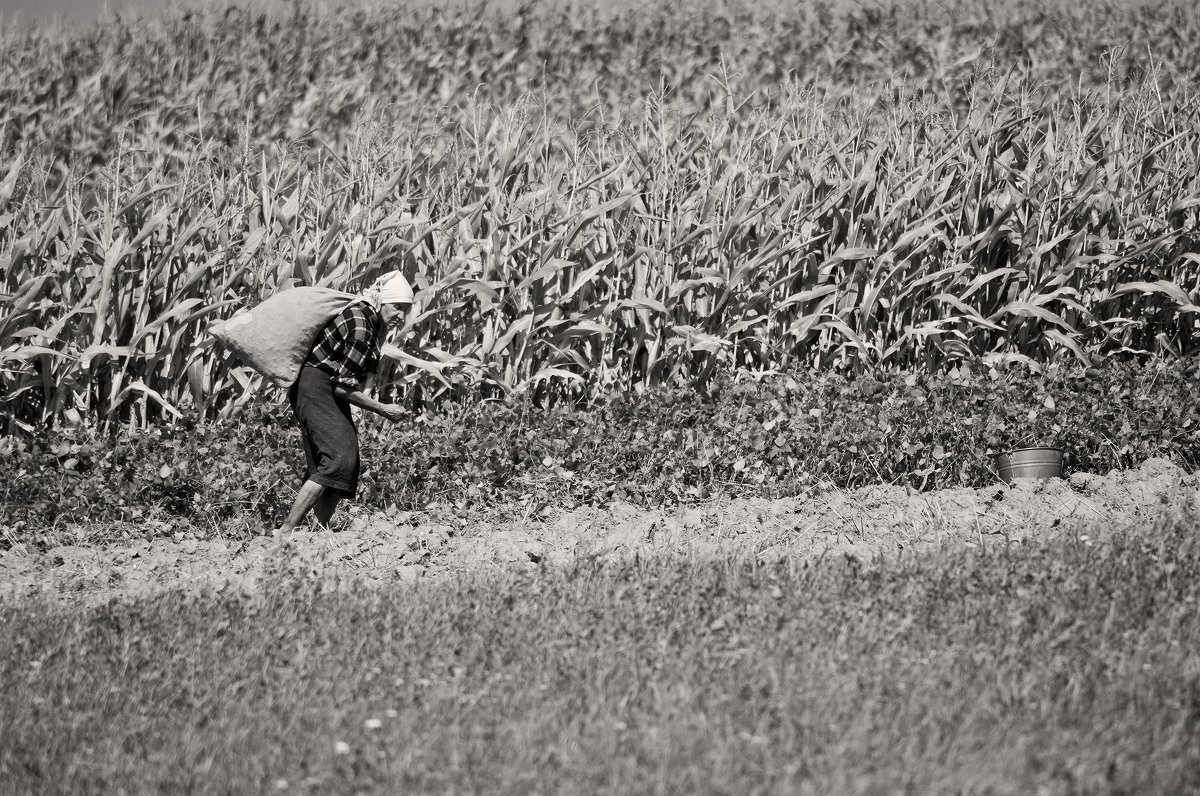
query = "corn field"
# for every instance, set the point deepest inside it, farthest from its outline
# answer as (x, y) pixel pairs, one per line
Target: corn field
(589, 199)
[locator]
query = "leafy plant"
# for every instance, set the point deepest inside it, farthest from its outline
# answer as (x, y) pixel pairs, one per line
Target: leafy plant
(778, 435)
(677, 193)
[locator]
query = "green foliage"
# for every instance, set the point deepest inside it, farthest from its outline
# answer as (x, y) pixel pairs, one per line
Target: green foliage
(209, 473)
(778, 435)
(1062, 667)
(322, 67)
(590, 201)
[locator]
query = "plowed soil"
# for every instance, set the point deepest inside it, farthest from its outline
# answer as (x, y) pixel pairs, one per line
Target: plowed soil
(868, 522)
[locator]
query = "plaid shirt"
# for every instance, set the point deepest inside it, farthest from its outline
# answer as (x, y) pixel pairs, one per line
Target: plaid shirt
(348, 346)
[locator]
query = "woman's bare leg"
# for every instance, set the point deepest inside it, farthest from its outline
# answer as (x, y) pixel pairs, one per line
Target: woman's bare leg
(323, 509)
(310, 495)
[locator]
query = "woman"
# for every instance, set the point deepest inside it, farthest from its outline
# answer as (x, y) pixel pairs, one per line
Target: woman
(331, 381)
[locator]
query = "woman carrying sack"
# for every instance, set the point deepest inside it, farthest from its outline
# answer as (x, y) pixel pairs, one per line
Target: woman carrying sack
(331, 381)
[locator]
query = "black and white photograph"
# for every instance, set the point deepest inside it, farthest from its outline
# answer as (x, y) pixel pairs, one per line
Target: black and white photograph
(600, 397)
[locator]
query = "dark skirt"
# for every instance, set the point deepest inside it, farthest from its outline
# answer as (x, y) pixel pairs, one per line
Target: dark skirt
(328, 432)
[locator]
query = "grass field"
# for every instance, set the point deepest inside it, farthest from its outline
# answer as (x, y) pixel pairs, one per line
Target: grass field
(1068, 667)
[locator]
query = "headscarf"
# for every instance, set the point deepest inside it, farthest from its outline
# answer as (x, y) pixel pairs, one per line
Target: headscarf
(391, 288)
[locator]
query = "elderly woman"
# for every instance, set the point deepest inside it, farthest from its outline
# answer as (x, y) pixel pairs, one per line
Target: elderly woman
(331, 381)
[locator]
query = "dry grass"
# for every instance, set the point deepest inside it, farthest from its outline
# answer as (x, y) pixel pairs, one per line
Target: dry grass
(1061, 668)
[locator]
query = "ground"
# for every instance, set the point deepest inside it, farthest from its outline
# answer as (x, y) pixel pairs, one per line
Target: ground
(868, 522)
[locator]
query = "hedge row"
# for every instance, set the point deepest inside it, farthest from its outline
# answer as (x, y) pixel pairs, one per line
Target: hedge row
(775, 435)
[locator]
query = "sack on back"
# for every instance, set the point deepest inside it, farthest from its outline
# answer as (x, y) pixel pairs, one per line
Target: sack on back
(276, 336)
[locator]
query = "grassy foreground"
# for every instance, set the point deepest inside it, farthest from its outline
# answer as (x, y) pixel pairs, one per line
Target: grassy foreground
(1067, 667)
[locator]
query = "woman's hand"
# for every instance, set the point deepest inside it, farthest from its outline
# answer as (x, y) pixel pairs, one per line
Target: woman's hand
(393, 412)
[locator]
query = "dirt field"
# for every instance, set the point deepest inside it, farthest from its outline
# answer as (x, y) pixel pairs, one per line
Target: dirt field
(866, 522)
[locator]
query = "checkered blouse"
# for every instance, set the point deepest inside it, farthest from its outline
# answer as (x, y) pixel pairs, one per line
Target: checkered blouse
(348, 347)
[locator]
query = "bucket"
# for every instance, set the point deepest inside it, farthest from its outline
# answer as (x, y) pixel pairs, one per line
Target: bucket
(1041, 463)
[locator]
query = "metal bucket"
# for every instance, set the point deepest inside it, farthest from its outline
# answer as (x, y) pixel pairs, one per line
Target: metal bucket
(1040, 463)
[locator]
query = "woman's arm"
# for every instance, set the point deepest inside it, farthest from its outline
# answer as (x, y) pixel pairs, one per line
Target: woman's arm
(360, 399)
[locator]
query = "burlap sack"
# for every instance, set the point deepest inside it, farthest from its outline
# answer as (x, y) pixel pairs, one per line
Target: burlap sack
(275, 337)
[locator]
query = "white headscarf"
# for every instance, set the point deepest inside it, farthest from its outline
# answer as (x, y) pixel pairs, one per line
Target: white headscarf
(391, 288)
